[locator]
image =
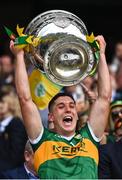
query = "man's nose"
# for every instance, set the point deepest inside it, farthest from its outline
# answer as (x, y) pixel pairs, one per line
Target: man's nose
(67, 107)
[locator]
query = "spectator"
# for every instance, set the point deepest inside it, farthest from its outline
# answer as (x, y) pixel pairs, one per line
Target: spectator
(26, 171)
(12, 134)
(115, 113)
(7, 70)
(117, 60)
(113, 130)
(118, 92)
(110, 161)
(84, 112)
(118, 129)
(116, 71)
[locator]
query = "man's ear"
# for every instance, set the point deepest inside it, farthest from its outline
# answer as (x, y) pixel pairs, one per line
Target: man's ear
(50, 117)
(50, 121)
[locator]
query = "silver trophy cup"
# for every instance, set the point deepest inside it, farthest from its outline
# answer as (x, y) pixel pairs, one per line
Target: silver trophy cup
(63, 53)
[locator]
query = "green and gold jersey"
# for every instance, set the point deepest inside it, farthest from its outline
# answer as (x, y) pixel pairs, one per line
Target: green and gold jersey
(58, 158)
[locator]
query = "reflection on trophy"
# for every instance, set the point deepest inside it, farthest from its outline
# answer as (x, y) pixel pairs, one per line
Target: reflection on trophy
(63, 53)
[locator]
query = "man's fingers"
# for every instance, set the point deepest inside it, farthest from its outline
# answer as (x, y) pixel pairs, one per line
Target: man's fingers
(15, 50)
(100, 39)
(11, 43)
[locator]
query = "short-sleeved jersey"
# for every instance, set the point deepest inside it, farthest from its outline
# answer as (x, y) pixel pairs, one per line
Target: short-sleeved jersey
(58, 158)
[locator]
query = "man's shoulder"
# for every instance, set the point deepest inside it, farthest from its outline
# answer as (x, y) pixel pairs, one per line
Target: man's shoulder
(45, 136)
(88, 133)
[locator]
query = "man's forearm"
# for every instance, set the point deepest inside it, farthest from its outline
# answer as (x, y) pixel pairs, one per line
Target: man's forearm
(21, 78)
(104, 87)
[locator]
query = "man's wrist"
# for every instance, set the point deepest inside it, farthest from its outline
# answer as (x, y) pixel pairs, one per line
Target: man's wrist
(19, 55)
(102, 54)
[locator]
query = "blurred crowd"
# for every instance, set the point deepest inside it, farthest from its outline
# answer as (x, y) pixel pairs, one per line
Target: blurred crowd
(13, 137)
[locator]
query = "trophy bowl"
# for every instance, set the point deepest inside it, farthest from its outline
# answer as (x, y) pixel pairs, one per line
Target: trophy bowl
(63, 53)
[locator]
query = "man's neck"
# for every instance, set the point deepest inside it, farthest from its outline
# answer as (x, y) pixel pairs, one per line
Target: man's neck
(64, 133)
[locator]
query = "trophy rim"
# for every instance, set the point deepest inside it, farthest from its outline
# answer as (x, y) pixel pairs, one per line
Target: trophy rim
(55, 11)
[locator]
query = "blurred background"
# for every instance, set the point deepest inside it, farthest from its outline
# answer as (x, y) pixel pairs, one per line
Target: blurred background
(101, 17)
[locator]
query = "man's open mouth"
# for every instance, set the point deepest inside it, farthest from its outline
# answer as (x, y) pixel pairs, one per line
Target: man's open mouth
(67, 120)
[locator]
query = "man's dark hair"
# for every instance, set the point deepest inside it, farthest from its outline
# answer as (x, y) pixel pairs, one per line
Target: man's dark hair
(51, 103)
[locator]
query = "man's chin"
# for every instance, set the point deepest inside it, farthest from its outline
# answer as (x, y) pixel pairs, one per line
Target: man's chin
(69, 129)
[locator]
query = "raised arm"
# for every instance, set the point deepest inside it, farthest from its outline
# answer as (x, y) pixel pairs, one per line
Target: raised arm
(31, 116)
(100, 108)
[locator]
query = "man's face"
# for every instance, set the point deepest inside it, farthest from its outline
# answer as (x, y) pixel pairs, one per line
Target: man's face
(64, 116)
(116, 113)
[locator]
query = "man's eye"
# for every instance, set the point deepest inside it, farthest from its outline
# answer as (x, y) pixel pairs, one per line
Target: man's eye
(72, 106)
(61, 106)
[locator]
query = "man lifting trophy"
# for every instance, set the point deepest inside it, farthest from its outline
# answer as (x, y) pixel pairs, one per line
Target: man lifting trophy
(58, 45)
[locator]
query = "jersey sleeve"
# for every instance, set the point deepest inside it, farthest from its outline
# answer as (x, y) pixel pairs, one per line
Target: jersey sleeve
(88, 133)
(44, 136)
